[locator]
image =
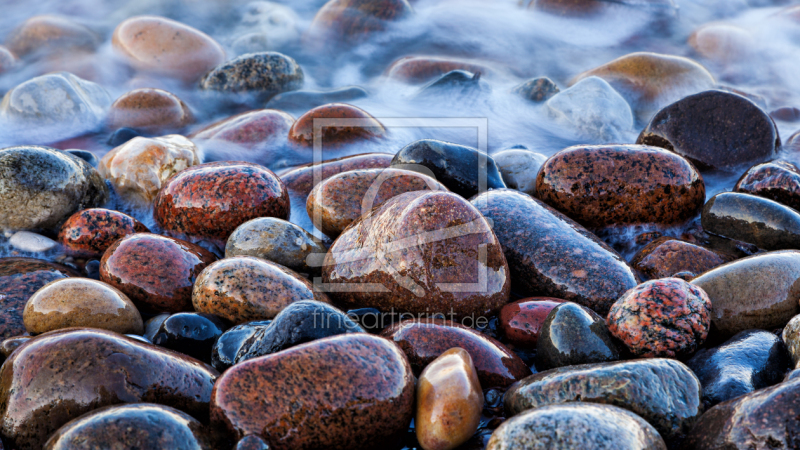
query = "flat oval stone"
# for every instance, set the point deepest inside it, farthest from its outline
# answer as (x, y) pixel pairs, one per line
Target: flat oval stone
(522, 320)
(126, 427)
(275, 240)
(747, 362)
(335, 136)
(356, 388)
(775, 180)
(599, 186)
(147, 109)
(664, 392)
(305, 100)
(63, 374)
(192, 334)
(661, 318)
(251, 129)
(90, 232)
(667, 256)
(456, 166)
(27, 241)
(20, 278)
(449, 401)
(81, 302)
(756, 220)
(342, 199)
(577, 425)
(243, 288)
(41, 186)
(223, 354)
(141, 166)
(47, 34)
(714, 130)
(519, 168)
(267, 73)
(451, 261)
(549, 254)
(791, 337)
(208, 202)
(573, 334)
(424, 340)
(761, 291)
(166, 47)
(156, 272)
(351, 21)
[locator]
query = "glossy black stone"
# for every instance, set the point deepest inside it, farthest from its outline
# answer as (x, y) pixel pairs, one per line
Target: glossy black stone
(454, 85)
(152, 325)
(227, 346)
(193, 334)
(751, 360)
(573, 334)
(122, 136)
(370, 319)
(86, 156)
(92, 269)
(456, 166)
(762, 222)
(305, 100)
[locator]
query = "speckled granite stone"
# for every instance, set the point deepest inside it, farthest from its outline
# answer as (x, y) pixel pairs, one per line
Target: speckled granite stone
(775, 180)
(268, 72)
(791, 336)
(667, 256)
(334, 136)
(249, 129)
(90, 232)
(756, 220)
(573, 334)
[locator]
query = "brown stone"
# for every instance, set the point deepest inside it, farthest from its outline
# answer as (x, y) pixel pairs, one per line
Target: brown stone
(150, 110)
(521, 321)
(666, 256)
(352, 21)
(722, 42)
(249, 129)
(775, 180)
(335, 137)
(50, 34)
(422, 69)
(90, 232)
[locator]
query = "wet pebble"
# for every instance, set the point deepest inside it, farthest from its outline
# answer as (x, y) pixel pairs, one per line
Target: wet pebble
(7, 346)
(50, 34)
(422, 69)
(791, 337)
(89, 233)
(592, 110)
(667, 256)
(275, 240)
(333, 135)
(537, 90)
(756, 220)
(223, 353)
(522, 320)
(192, 334)
(352, 21)
(31, 242)
(121, 136)
(573, 334)
(266, 74)
(151, 110)
(85, 155)
(252, 129)
(775, 180)
(519, 168)
(152, 325)
(455, 87)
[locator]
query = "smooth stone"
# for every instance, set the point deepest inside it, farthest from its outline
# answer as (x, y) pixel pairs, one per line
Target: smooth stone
(50, 34)
(8, 346)
(223, 354)
(208, 201)
(85, 155)
(661, 318)
(130, 427)
(667, 256)
(449, 401)
(458, 167)
(786, 114)
(599, 186)
(266, 73)
(301, 322)
(153, 324)
(275, 240)
(356, 389)
(774, 180)
(664, 392)
(423, 69)
(156, 272)
(344, 198)
(89, 233)
(64, 374)
(121, 136)
(749, 361)
(166, 47)
(81, 302)
(151, 110)
(352, 21)
(424, 340)
(761, 291)
(251, 442)
(573, 334)
(20, 278)
(31, 242)
(759, 221)
(192, 334)
(7, 60)
(305, 100)
(334, 136)
(454, 87)
(593, 110)
(244, 288)
(521, 321)
(650, 81)
(714, 130)
(140, 167)
(519, 168)
(252, 129)
(551, 255)
(41, 186)
(791, 337)
(455, 267)
(537, 90)
(589, 8)
(576, 426)
(722, 42)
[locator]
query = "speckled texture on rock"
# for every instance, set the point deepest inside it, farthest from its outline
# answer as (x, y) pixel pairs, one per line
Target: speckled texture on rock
(63, 374)
(334, 136)
(275, 240)
(90, 232)
(775, 180)
(342, 392)
(667, 256)
(249, 129)
(156, 272)
(208, 202)
(756, 220)
(549, 254)
(353, 20)
(663, 391)
(661, 318)
(522, 320)
(791, 336)
(622, 184)
(149, 109)
(424, 340)
(573, 334)
(268, 73)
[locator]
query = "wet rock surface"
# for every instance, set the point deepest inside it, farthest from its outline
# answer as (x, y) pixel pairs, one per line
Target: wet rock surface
(267, 73)
(151, 110)
(351, 21)
(90, 232)
(335, 135)
(304, 100)
(223, 353)
(537, 89)
(791, 337)
(665, 257)
(522, 320)
(573, 334)
(48, 34)
(192, 334)
(593, 110)
(252, 129)
(775, 180)
(519, 168)
(275, 240)
(759, 221)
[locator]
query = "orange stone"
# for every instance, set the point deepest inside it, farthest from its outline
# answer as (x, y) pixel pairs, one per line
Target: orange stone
(150, 110)
(50, 33)
(421, 69)
(336, 136)
(353, 20)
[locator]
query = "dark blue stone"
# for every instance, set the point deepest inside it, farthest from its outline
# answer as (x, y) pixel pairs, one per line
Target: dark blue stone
(227, 346)
(192, 334)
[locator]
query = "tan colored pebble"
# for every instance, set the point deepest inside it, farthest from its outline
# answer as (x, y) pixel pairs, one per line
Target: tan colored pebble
(52, 33)
(149, 110)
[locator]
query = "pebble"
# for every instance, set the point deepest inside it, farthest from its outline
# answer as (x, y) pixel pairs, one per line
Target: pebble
(521, 321)
(251, 442)
(81, 302)
(138, 168)
(549, 254)
(129, 427)
(573, 334)
(714, 130)
(9, 345)
(166, 47)
(457, 246)
(353, 388)
(192, 334)
(89, 233)
(150, 110)
(593, 110)
(85, 155)
(156, 272)
(265, 73)
(786, 113)
(458, 167)
(667, 256)
(577, 426)
(722, 43)
(664, 392)
(352, 21)
(305, 100)
(598, 186)
(519, 168)
(774, 180)
(756, 220)
(208, 201)
(64, 374)
(755, 292)
(335, 134)
(275, 240)
(661, 318)
(457, 87)
(32, 242)
(7, 60)
(152, 325)
(243, 288)
(223, 353)
(449, 401)
(537, 90)
(252, 129)
(791, 336)
(424, 340)
(423, 69)
(50, 34)
(749, 361)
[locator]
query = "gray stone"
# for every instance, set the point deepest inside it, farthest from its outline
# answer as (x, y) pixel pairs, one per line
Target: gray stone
(275, 240)
(756, 220)
(519, 168)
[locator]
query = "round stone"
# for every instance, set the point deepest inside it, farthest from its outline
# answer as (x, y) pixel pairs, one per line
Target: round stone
(722, 42)
(353, 21)
(573, 334)
(422, 69)
(151, 110)
(519, 168)
(275, 240)
(44, 34)
(336, 136)
(267, 73)
(756, 220)
(89, 233)
(667, 256)
(775, 180)
(192, 334)
(251, 129)
(522, 320)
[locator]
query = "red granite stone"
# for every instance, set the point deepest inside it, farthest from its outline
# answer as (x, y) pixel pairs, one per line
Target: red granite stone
(90, 232)
(421, 69)
(249, 129)
(667, 256)
(521, 321)
(336, 136)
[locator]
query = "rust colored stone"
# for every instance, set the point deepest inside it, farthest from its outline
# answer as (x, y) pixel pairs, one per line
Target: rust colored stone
(49, 33)
(249, 129)
(666, 256)
(775, 180)
(352, 21)
(151, 110)
(422, 69)
(89, 233)
(522, 320)
(334, 137)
